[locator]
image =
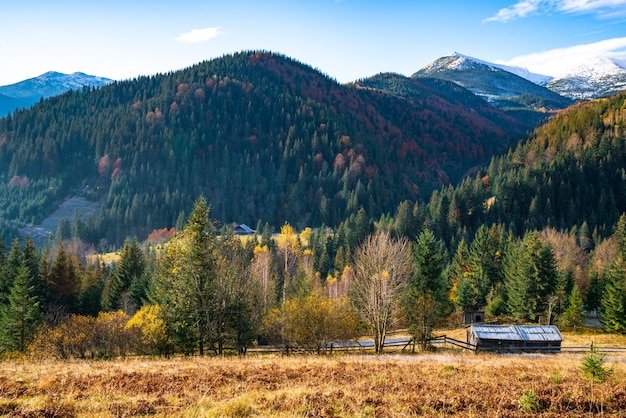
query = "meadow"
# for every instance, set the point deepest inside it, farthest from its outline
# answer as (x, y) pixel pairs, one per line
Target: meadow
(442, 383)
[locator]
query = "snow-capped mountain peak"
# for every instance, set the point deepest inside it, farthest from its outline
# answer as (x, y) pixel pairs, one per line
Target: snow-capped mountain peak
(460, 62)
(28, 92)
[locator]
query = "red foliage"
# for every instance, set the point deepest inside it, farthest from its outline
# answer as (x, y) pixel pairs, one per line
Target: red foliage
(340, 163)
(160, 235)
(18, 181)
(198, 94)
(104, 165)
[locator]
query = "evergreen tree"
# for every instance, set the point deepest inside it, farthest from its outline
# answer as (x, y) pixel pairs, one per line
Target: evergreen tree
(573, 316)
(63, 279)
(620, 236)
(613, 304)
(425, 300)
(5, 283)
(128, 279)
(184, 285)
(21, 316)
(530, 273)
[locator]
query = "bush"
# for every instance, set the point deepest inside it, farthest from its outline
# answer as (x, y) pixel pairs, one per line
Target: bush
(86, 337)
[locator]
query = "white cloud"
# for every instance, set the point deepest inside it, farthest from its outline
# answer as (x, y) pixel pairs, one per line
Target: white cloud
(523, 8)
(199, 35)
(556, 62)
(520, 9)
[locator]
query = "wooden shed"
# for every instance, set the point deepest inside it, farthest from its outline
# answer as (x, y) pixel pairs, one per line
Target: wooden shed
(473, 317)
(243, 229)
(542, 338)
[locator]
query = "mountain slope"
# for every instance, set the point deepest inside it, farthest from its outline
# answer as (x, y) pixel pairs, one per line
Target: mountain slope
(429, 92)
(9, 104)
(571, 172)
(263, 137)
(28, 92)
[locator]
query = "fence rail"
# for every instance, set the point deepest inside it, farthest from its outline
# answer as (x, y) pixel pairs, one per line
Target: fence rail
(441, 340)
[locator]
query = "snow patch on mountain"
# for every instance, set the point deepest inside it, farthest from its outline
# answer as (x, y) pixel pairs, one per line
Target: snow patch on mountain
(597, 77)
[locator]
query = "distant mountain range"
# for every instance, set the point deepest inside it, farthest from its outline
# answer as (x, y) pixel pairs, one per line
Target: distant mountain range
(28, 92)
(509, 87)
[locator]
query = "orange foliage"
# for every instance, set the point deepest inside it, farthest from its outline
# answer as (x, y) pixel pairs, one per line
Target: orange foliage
(160, 235)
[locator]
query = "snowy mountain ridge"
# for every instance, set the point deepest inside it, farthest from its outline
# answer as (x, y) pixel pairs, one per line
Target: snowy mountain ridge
(28, 92)
(577, 79)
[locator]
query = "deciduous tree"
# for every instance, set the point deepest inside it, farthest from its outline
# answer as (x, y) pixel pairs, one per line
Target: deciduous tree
(382, 267)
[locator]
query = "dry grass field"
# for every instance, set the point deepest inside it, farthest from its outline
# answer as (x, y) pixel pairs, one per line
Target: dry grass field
(397, 385)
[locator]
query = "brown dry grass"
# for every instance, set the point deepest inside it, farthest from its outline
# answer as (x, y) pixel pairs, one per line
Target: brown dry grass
(465, 385)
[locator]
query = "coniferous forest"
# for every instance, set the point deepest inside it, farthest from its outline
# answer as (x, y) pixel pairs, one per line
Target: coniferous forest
(415, 185)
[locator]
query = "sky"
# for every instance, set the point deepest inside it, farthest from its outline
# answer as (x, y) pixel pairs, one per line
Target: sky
(345, 39)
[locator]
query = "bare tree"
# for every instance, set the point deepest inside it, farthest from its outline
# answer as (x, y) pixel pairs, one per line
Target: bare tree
(382, 267)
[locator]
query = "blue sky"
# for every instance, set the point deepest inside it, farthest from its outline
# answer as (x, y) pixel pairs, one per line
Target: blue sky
(346, 39)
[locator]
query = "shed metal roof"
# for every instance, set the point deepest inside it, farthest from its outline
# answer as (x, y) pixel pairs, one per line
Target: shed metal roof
(496, 332)
(517, 332)
(539, 333)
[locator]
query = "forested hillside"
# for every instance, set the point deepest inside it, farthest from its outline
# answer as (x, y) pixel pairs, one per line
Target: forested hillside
(263, 137)
(571, 173)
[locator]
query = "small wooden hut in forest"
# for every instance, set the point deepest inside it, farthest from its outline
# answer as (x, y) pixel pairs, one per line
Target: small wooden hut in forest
(473, 317)
(542, 338)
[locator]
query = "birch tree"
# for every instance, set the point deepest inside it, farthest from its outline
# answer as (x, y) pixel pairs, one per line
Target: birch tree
(382, 269)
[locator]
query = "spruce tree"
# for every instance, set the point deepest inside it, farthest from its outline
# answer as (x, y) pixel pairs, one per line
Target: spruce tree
(530, 273)
(21, 316)
(613, 304)
(425, 300)
(184, 285)
(573, 316)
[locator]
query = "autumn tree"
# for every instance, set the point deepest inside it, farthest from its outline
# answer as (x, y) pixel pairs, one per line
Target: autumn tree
(148, 321)
(382, 267)
(313, 322)
(261, 270)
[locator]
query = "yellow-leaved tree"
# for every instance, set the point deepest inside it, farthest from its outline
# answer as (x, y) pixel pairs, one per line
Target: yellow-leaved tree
(149, 322)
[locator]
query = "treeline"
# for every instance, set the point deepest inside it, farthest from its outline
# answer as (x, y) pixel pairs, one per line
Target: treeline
(208, 291)
(263, 137)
